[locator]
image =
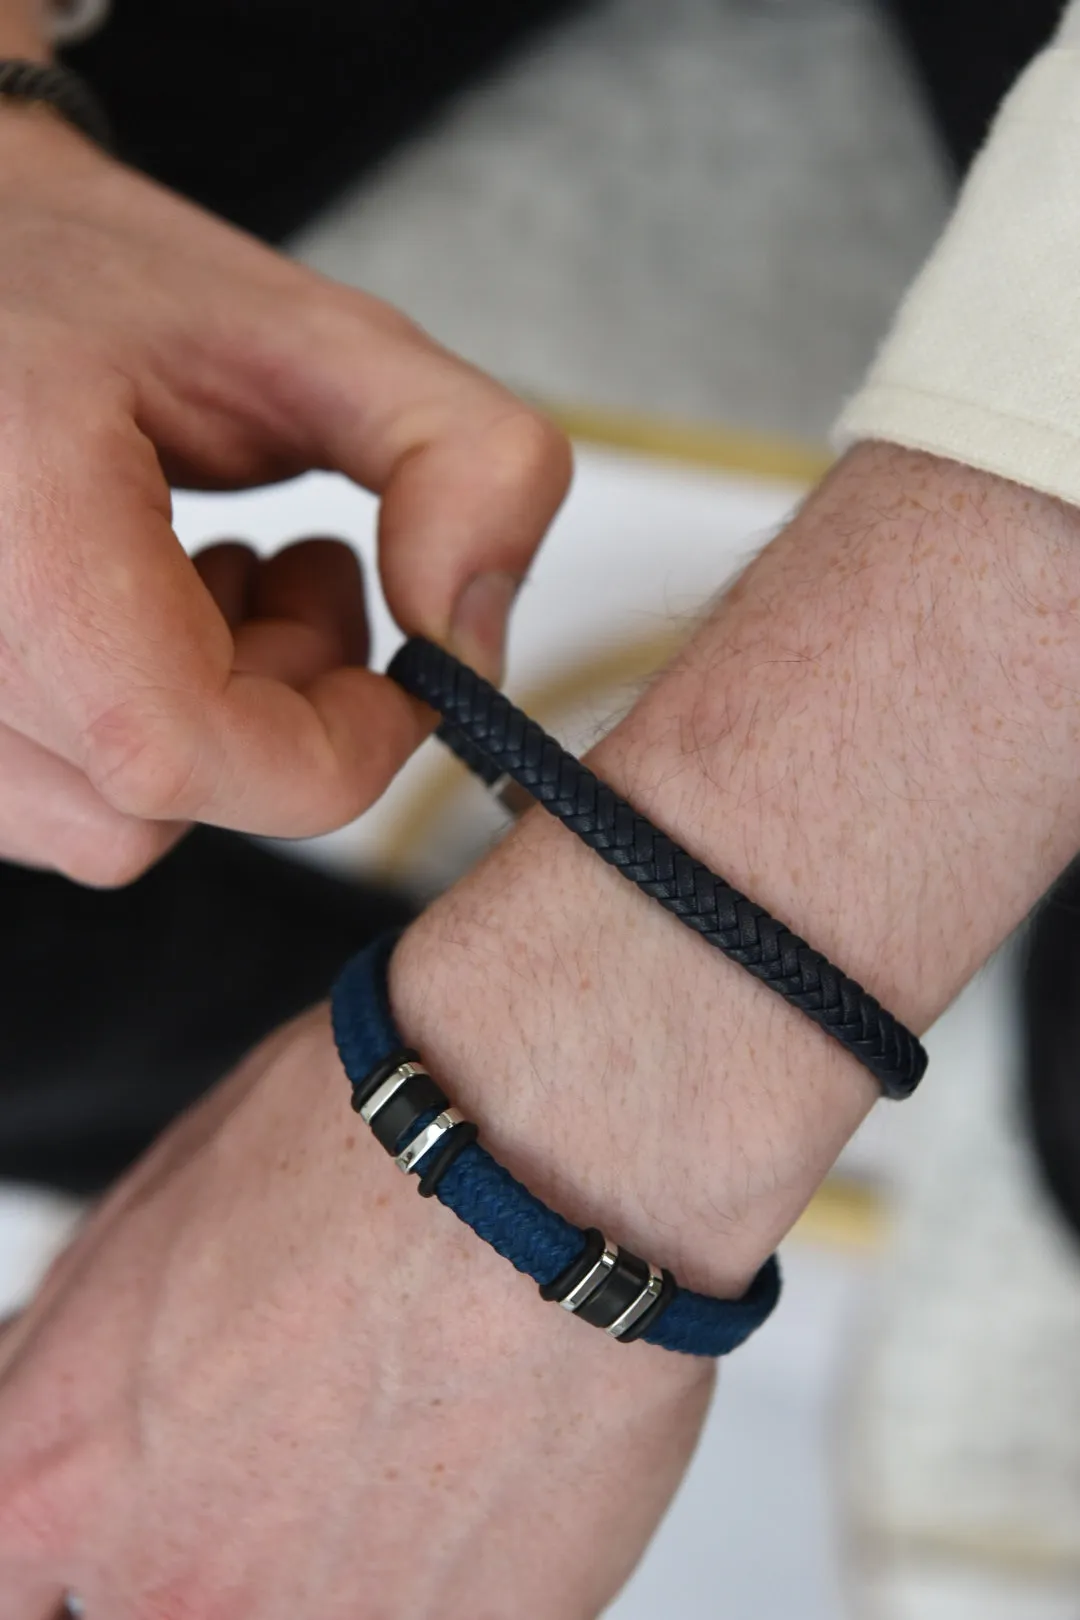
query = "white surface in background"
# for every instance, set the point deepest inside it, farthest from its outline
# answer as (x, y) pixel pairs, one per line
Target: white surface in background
(753, 1533)
(970, 1594)
(965, 1462)
(34, 1226)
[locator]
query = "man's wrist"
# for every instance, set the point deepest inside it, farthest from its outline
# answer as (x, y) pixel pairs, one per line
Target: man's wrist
(892, 684)
(874, 735)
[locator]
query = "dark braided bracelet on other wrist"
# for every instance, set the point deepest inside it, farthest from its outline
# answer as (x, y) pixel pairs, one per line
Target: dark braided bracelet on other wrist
(496, 740)
(51, 85)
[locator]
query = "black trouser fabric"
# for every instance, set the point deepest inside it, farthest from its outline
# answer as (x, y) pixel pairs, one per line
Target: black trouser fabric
(120, 1008)
(263, 109)
(967, 53)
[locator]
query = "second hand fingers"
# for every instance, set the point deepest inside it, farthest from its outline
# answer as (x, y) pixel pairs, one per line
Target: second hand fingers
(319, 583)
(51, 817)
(228, 569)
(314, 582)
(261, 756)
(294, 615)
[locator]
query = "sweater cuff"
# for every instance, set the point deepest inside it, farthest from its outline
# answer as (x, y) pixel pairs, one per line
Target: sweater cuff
(982, 364)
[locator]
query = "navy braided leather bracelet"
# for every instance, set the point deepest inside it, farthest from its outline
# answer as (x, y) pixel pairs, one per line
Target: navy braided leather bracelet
(496, 740)
(412, 1119)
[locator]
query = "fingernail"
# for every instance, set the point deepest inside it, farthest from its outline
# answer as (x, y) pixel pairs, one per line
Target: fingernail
(478, 628)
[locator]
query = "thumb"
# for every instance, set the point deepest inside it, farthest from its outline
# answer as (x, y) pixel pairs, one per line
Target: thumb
(470, 476)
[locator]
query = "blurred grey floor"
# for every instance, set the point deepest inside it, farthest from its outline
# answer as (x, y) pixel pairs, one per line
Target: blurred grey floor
(705, 208)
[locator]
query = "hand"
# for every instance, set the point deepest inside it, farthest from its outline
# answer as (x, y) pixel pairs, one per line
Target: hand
(271, 1383)
(143, 342)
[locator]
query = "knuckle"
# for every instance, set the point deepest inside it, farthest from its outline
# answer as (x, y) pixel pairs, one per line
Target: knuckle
(528, 447)
(333, 309)
(390, 321)
(113, 858)
(142, 757)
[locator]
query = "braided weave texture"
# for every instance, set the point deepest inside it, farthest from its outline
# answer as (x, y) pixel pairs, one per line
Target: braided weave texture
(500, 1209)
(494, 738)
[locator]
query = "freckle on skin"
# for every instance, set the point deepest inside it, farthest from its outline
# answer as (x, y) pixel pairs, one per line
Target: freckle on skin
(350, 1141)
(390, 1473)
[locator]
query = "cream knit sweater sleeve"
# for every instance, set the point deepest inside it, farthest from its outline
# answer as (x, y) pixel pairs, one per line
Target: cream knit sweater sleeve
(982, 364)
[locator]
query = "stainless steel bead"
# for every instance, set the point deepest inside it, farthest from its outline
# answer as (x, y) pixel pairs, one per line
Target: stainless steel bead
(440, 1126)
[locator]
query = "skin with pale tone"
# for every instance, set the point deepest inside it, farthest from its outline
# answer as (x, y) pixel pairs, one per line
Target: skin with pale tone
(269, 1382)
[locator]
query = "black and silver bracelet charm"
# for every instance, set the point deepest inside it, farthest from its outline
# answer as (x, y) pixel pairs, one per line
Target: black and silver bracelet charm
(601, 1283)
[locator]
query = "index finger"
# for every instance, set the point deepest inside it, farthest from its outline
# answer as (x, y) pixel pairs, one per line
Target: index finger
(129, 662)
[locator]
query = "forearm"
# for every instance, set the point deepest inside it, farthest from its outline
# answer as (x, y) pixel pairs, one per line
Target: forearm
(877, 735)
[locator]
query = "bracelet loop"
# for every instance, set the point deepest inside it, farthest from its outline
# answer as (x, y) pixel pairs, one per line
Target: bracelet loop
(601, 1283)
(495, 740)
(58, 87)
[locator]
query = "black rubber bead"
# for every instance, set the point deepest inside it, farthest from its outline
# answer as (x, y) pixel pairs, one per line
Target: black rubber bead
(567, 1280)
(370, 1084)
(418, 1096)
(655, 1310)
(454, 1142)
(617, 1292)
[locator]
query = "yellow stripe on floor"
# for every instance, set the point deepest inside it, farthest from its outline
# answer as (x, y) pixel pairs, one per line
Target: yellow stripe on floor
(695, 444)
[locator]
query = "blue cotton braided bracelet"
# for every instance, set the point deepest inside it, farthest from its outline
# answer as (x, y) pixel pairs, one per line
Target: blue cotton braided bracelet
(580, 1270)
